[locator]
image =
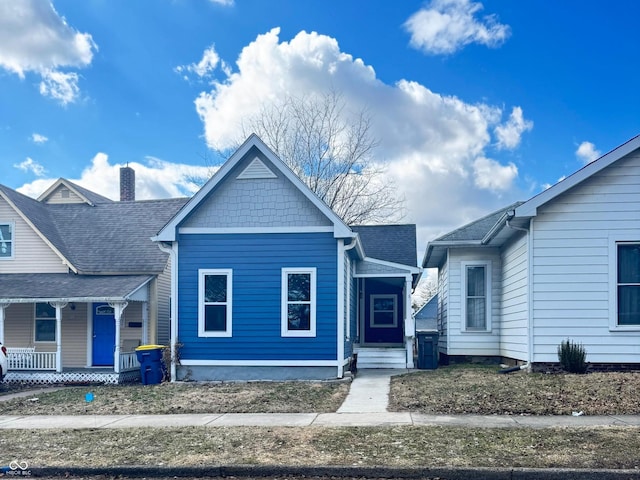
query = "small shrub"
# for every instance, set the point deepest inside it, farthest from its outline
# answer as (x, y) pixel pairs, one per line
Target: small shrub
(572, 356)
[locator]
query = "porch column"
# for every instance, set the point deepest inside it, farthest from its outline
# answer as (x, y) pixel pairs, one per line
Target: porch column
(145, 323)
(118, 308)
(409, 323)
(2, 308)
(58, 306)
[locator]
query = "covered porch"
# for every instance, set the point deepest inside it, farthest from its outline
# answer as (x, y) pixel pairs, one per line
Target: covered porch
(74, 329)
(385, 325)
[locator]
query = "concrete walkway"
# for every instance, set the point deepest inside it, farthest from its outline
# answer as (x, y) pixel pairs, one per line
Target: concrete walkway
(379, 419)
(369, 391)
(365, 405)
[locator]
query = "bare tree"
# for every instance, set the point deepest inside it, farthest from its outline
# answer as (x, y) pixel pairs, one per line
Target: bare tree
(424, 292)
(332, 151)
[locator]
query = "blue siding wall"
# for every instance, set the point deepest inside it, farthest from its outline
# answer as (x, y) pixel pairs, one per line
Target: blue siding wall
(256, 261)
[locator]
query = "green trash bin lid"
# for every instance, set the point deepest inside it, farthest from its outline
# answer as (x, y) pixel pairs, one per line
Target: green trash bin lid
(150, 347)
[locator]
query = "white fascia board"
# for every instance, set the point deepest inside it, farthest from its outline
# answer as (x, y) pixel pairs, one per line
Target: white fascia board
(260, 363)
(400, 266)
(64, 259)
(252, 230)
(530, 208)
(168, 233)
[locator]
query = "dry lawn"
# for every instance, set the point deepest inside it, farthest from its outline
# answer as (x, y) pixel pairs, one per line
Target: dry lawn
(315, 446)
(168, 398)
(482, 390)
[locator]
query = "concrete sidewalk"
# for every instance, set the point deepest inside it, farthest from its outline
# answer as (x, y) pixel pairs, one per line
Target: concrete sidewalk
(379, 419)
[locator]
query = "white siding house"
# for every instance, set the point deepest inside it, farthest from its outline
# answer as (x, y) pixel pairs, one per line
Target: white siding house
(564, 265)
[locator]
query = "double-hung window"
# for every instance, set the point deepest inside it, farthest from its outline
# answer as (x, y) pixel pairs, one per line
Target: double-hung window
(384, 311)
(45, 323)
(476, 297)
(214, 303)
(298, 302)
(628, 284)
(6, 240)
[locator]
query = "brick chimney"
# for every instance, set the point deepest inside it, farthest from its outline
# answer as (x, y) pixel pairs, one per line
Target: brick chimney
(127, 184)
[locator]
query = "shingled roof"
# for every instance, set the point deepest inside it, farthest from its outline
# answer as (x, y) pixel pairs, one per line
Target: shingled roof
(391, 243)
(477, 229)
(104, 238)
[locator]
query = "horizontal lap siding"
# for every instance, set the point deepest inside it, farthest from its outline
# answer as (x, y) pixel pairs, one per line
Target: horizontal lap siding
(571, 264)
(473, 343)
(513, 326)
(443, 307)
(256, 261)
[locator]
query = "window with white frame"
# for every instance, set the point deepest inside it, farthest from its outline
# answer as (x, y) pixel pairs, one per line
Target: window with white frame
(384, 311)
(298, 302)
(628, 284)
(476, 301)
(215, 303)
(45, 323)
(6, 240)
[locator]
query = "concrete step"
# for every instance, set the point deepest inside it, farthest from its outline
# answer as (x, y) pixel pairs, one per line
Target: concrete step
(380, 357)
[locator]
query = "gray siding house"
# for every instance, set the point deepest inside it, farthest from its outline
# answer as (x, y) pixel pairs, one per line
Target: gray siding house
(565, 264)
(81, 282)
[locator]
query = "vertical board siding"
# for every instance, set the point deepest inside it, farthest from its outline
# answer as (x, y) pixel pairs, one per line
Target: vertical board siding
(571, 264)
(31, 254)
(473, 343)
(514, 305)
(256, 261)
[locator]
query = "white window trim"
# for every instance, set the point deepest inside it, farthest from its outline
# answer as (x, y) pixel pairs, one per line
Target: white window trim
(12, 242)
(284, 320)
(463, 300)
(35, 332)
(395, 311)
(202, 273)
(614, 241)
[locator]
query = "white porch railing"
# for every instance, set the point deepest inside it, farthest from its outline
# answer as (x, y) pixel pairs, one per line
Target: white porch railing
(28, 359)
(129, 361)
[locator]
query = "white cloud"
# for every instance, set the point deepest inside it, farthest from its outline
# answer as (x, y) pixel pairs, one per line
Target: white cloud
(60, 86)
(587, 152)
(29, 165)
(430, 142)
(37, 138)
(491, 175)
(446, 26)
(155, 178)
(35, 38)
(226, 3)
(205, 67)
(510, 133)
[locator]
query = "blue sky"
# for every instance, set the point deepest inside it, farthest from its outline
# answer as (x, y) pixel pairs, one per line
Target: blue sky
(475, 104)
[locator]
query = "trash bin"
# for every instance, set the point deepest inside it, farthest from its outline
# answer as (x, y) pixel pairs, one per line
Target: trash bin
(151, 368)
(427, 350)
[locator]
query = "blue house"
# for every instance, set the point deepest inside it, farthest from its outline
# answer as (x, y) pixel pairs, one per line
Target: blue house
(269, 283)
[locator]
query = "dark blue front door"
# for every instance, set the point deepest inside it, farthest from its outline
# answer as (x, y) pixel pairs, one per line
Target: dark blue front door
(384, 312)
(104, 334)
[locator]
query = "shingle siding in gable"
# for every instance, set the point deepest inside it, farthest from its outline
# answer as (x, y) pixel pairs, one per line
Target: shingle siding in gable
(256, 261)
(265, 202)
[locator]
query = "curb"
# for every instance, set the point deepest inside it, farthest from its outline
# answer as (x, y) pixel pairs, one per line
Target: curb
(249, 471)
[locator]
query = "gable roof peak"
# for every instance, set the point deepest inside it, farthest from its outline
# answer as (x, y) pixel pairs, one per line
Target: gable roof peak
(168, 233)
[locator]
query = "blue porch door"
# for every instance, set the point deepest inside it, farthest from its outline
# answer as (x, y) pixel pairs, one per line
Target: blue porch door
(104, 335)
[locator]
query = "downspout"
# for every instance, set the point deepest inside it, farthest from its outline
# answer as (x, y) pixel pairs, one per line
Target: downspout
(173, 312)
(526, 366)
(340, 312)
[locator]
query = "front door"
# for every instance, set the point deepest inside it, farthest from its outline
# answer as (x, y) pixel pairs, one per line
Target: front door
(104, 334)
(384, 312)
